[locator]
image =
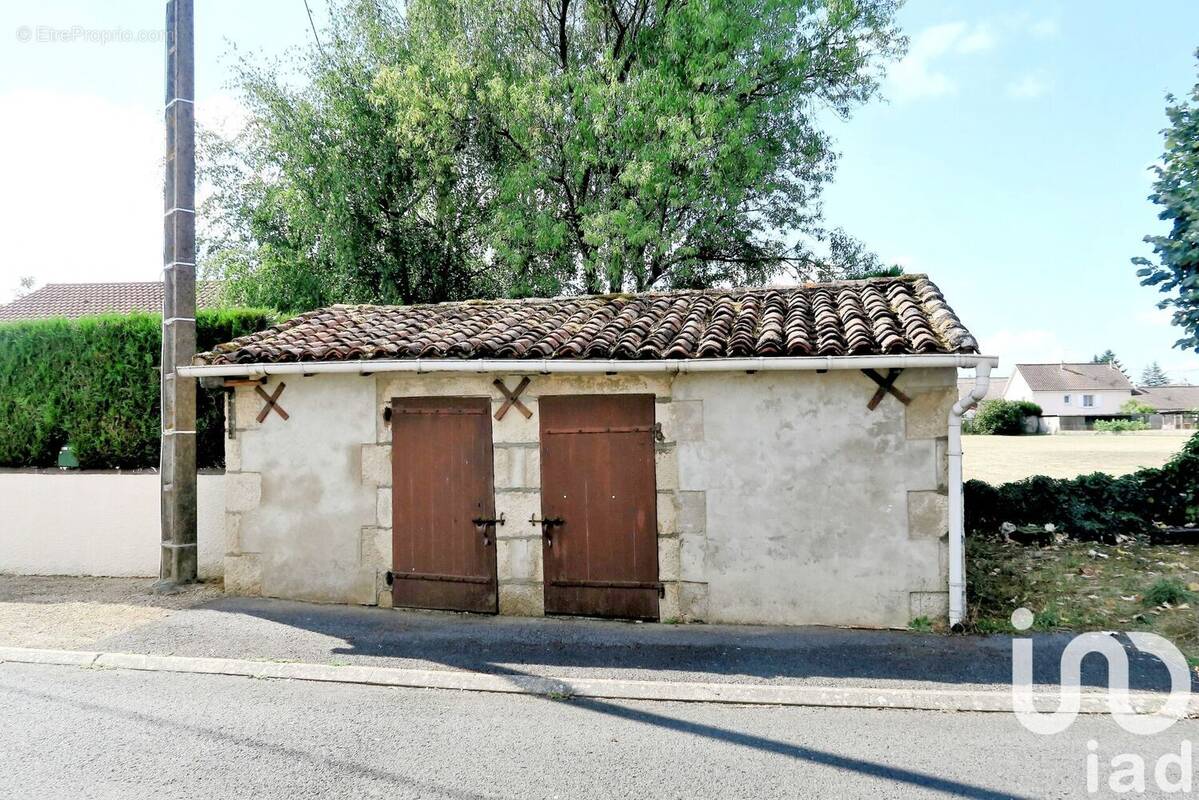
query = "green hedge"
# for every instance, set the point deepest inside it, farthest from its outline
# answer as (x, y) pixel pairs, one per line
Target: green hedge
(1096, 506)
(93, 383)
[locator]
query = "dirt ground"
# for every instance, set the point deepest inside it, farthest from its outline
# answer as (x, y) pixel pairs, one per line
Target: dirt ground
(71, 613)
(999, 459)
(1086, 586)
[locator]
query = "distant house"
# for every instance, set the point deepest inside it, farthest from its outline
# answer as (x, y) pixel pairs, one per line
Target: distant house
(74, 300)
(1172, 399)
(1070, 390)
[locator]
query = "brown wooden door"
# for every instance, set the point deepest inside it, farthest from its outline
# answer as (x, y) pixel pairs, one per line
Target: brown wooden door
(598, 498)
(443, 555)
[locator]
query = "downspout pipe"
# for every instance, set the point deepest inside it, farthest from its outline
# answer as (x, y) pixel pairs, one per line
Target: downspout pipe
(957, 519)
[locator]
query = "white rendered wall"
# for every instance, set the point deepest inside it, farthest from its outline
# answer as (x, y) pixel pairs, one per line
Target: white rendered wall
(97, 523)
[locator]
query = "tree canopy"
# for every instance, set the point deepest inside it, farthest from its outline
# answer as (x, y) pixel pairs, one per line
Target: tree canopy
(463, 148)
(1176, 190)
(1154, 375)
(1109, 357)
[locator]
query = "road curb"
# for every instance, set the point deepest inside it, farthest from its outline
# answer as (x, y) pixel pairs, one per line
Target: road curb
(997, 701)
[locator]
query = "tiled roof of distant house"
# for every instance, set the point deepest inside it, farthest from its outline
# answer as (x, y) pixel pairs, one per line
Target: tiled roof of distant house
(1169, 398)
(995, 389)
(1073, 377)
(74, 300)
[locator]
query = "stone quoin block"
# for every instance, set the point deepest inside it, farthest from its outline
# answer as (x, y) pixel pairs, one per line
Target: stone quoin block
(243, 491)
(382, 590)
(920, 465)
(375, 547)
(522, 599)
(928, 414)
(693, 551)
(517, 467)
(933, 605)
(376, 465)
(942, 457)
(243, 574)
(668, 513)
(693, 601)
(693, 512)
(232, 454)
(666, 467)
(668, 559)
(688, 420)
(249, 404)
(518, 560)
(383, 507)
(928, 515)
(517, 507)
(232, 533)
(668, 604)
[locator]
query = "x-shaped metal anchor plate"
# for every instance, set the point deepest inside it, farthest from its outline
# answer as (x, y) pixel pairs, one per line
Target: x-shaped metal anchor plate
(886, 386)
(272, 402)
(512, 399)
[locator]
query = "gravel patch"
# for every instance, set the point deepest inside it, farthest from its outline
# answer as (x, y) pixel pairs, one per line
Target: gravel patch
(72, 613)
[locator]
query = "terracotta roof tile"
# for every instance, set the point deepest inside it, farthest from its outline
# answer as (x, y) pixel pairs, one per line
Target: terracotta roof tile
(75, 300)
(882, 315)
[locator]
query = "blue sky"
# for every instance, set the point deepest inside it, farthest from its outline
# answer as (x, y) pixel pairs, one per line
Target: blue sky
(1008, 160)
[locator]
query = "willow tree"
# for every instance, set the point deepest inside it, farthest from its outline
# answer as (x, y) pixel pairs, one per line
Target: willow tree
(542, 146)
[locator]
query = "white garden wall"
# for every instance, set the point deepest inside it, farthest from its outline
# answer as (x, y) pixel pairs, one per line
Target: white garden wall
(97, 523)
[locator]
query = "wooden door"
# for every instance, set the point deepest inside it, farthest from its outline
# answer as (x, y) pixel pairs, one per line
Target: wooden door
(598, 503)
(443, 504)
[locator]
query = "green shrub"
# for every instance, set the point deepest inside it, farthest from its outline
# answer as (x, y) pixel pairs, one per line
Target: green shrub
(1120, 425)
(1003, 417)
(94, 382)
(1166, 590)
(1135, 406)
(1095, 506)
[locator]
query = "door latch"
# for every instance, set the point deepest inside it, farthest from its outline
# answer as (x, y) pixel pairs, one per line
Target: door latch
(484, 525)
(547, 526)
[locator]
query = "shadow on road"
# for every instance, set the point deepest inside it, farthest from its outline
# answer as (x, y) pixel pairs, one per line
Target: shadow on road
(283, 630)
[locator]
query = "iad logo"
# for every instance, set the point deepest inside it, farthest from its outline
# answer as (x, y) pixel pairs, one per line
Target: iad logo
(1119, 700)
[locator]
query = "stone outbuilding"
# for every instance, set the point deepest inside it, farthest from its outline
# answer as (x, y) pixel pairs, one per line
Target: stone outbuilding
(777, 456)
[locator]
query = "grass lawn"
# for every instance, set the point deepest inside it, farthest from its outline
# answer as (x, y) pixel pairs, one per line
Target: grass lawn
(1086, 586)
(999, 459)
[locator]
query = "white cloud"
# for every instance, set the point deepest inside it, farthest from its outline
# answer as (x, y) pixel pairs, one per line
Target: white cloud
(917, 75)
(1024, 346)
(975, 41)
(1029, 87)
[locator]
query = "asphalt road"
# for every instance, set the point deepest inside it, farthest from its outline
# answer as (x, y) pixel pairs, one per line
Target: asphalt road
(84, 733)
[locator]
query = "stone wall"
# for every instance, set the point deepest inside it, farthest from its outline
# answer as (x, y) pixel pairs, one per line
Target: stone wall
(781, 499)
(799, 505)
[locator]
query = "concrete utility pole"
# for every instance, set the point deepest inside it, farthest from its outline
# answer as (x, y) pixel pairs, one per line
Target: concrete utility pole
(178, 449)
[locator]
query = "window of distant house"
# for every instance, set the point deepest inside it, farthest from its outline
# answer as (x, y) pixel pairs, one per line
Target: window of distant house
(1066, 399)
(1088, 401)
